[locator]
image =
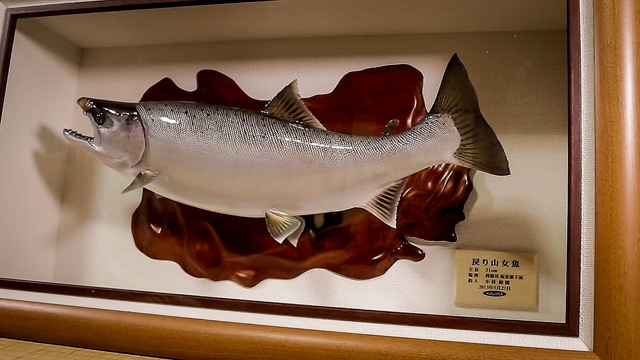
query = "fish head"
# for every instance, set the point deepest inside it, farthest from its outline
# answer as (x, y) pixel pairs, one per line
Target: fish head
(118, 135)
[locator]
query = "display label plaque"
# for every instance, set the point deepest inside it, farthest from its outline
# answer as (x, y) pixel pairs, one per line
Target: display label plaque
(497, 280)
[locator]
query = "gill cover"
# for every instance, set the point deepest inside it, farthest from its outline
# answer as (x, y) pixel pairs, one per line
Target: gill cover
(118, 136)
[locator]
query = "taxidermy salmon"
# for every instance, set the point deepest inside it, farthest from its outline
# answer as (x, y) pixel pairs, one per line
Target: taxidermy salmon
(281, 163)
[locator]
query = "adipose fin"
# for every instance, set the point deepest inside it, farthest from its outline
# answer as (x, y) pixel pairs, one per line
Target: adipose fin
(392, 124)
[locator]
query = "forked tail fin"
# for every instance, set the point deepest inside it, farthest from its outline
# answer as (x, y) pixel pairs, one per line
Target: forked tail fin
(479, 147)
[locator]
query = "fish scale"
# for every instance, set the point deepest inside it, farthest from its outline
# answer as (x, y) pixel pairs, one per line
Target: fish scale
(236, 133)
(285, 166)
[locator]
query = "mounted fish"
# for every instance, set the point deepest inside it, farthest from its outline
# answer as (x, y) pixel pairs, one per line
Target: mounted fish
(281, 163)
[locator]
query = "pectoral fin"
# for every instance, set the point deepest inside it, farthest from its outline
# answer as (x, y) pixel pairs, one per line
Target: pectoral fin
(384, 206)
(288, 106)
(282, 226)
(143, 178)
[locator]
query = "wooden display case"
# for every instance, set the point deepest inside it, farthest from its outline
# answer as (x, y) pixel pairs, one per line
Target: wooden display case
(147, 328)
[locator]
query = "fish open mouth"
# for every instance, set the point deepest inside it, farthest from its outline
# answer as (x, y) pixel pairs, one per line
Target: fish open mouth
(77, 136)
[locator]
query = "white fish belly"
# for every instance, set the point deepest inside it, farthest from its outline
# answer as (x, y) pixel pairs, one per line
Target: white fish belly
(251, 164)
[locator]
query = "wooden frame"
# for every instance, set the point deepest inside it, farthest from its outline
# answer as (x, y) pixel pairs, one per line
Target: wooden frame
(617, 226)
(564, 324)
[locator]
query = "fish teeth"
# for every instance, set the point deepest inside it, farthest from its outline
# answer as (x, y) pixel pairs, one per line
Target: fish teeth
(77, 135)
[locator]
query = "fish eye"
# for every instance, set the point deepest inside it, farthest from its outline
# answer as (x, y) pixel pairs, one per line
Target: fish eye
(98, 116)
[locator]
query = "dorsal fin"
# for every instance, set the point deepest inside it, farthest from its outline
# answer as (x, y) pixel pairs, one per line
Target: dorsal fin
(384, 205)
(288, 106)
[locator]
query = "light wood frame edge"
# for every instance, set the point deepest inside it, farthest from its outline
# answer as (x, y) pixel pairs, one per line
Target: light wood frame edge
(202, 339)
(617, 185)
(617, 316)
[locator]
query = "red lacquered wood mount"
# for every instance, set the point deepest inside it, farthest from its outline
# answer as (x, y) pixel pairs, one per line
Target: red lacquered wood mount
(352, 243)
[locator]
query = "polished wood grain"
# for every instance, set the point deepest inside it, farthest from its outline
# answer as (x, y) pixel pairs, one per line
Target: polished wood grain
(617, 294)
(18, 349)
(200, 339)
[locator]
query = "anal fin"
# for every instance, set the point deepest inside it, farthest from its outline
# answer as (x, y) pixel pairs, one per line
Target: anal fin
(283, 226)
(384, 205)
(143, 178)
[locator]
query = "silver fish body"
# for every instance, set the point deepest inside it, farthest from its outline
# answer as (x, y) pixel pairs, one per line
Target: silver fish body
(281, 163)
(245, 163)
